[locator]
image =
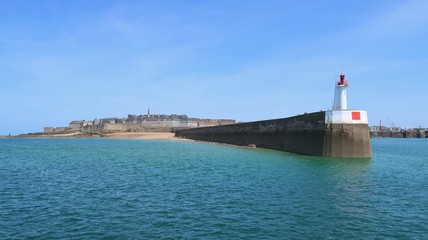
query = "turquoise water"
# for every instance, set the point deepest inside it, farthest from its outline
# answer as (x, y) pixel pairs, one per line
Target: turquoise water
(131, 189)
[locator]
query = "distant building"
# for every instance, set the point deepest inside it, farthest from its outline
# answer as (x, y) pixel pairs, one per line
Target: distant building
(76, 125)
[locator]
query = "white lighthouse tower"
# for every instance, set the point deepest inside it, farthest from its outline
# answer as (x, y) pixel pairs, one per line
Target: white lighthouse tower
(340, 113)
(340, 99)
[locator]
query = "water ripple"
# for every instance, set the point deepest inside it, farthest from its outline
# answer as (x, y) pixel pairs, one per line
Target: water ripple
(118, 189)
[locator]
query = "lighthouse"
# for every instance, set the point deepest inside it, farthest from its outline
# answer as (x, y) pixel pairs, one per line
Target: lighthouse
(348, 131)
(340, 99)
(340, 113)
(340, 132)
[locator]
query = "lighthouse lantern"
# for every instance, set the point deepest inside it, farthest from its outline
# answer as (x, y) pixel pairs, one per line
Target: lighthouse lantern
(340, 99)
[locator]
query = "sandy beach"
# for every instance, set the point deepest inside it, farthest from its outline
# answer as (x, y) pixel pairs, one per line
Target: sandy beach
(143, 135)
(119, 135)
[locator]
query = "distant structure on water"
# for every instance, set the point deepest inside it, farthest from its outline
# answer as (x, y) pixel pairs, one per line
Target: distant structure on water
(138, 123)
(397, 132)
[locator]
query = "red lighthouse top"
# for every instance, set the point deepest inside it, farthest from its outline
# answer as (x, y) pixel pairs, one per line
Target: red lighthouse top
(342, 81)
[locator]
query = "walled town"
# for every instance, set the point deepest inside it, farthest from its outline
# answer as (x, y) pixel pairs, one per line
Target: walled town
(138, 123)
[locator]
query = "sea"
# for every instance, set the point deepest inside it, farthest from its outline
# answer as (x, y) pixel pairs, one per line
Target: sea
(160, 189)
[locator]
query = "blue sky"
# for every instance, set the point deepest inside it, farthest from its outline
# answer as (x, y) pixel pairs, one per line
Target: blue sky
(246, 60)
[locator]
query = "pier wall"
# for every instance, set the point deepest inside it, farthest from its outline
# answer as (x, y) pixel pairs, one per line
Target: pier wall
(307, 134)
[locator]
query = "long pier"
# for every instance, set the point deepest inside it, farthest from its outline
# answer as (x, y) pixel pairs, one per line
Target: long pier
(325, 133)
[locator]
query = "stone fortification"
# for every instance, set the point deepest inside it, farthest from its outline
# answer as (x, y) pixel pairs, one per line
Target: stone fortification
(310, 134)
(138, 123)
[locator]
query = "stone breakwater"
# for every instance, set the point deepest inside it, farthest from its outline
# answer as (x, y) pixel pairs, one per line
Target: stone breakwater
(308, 134)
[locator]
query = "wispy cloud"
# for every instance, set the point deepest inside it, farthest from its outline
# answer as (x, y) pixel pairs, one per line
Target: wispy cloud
(220, 59)
(407, 19)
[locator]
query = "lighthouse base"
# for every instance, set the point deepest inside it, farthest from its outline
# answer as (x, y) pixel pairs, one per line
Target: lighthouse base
(347, 140)
(347, 134)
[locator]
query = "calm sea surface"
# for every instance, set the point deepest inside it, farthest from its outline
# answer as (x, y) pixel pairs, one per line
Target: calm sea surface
(132, 189)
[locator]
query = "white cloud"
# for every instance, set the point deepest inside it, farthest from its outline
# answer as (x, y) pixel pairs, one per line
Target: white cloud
(408, 18)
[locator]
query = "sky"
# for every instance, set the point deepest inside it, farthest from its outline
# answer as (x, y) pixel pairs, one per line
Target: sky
(64, 60)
